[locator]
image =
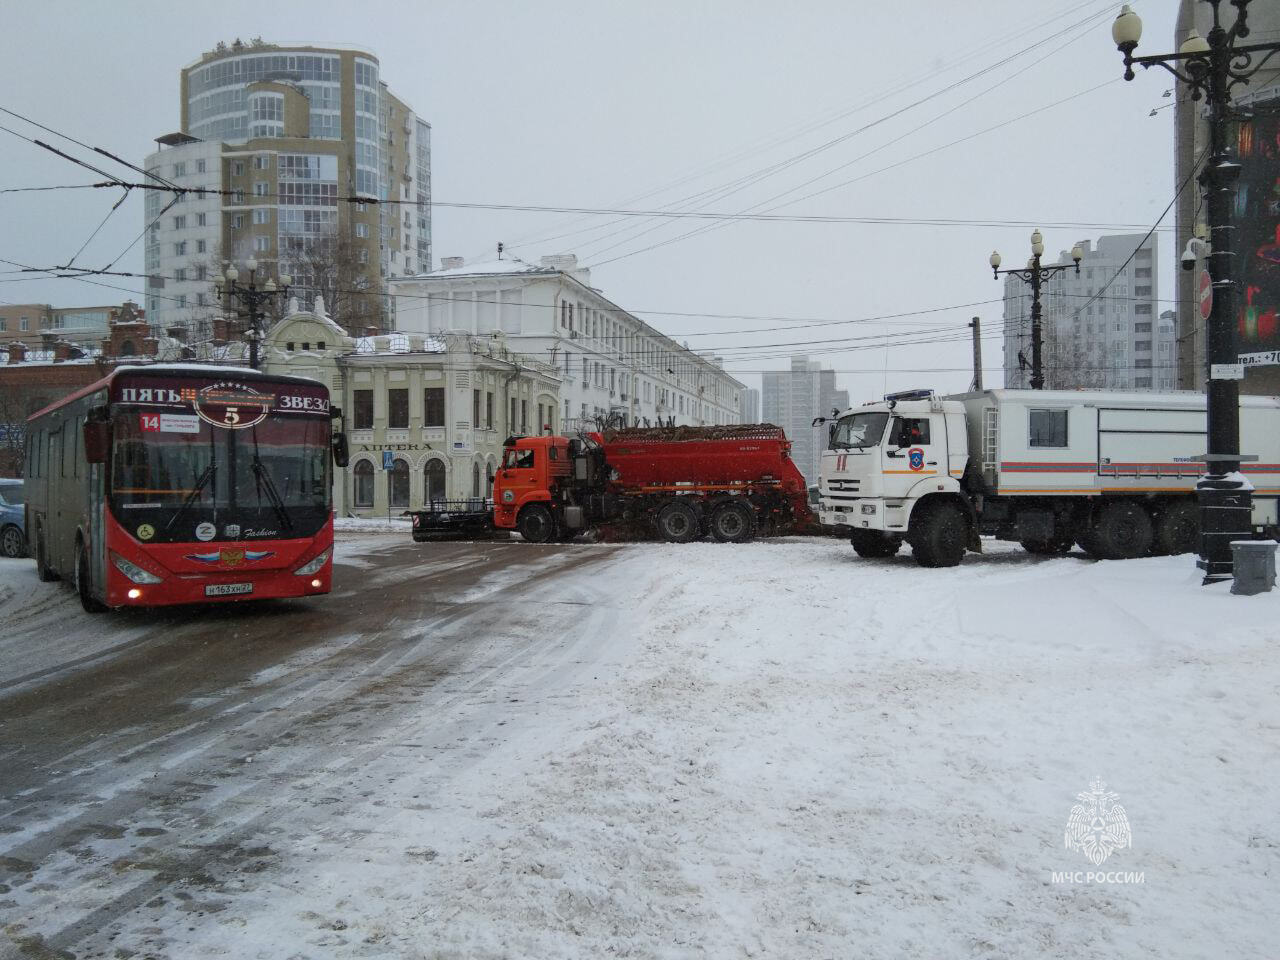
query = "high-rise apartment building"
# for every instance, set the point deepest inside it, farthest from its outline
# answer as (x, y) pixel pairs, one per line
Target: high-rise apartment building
(749, 405)
(1100, 329)
(285, 135)
(792, 399)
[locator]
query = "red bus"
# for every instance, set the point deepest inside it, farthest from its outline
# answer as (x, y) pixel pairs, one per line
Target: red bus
(183, 483)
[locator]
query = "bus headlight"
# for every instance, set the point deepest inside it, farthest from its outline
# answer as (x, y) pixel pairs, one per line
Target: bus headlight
(132, 570)
(314, 564)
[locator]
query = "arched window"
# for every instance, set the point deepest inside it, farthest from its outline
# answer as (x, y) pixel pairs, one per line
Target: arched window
(364, 483)
(127, 349)
(434, 476)
(475, 480)
(400, 484)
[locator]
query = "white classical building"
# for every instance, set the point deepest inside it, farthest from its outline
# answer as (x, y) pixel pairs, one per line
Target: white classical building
(425, 417)
(611, 364)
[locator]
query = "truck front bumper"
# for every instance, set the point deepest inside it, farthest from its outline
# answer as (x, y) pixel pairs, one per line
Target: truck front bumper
(888, 516)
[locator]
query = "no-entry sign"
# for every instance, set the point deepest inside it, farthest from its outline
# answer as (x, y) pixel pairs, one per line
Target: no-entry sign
(1206, 295)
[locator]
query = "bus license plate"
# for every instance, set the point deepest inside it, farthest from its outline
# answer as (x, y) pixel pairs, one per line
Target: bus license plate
(227, 589)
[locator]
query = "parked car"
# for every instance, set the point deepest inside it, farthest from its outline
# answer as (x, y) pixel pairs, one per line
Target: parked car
(13, 536)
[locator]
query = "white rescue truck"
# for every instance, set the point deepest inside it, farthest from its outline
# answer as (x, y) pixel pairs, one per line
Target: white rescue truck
(1112, 472)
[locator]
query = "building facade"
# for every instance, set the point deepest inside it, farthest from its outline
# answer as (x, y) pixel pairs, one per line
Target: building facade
(793, 399)
(612, 365)
(39, 325)
(1097, 332)
(1257, 211)
(425, 417)
(283, 134)
(749, 405)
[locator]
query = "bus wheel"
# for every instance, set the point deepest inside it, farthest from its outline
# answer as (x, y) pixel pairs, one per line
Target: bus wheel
(677, 522)
(43, 571)
(90, 604)
(537, 525)
(732, 523)
(1178, 528)
(1121, 531)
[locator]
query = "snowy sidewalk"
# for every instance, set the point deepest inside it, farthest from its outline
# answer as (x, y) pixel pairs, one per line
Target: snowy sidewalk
(789, 752)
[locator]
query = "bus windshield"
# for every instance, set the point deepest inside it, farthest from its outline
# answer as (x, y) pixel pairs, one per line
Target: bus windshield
(270, 480)
(857, 431)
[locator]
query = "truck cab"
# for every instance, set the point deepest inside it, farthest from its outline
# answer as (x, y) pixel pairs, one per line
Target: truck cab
(888, 462)
(531, 470)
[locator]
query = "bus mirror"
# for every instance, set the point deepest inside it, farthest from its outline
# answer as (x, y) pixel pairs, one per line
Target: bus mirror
(97, 441)
(335, 413)
(341, 453)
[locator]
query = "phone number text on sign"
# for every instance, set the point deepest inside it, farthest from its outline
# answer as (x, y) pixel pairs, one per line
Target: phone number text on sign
(169, 423)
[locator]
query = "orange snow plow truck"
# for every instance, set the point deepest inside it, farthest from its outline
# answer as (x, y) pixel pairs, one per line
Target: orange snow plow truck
(731, 483)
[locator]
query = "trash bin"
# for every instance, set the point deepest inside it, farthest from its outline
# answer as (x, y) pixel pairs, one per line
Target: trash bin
(1254, 566)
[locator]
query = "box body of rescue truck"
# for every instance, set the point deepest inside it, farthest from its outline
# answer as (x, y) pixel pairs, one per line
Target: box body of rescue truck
(1112, 472)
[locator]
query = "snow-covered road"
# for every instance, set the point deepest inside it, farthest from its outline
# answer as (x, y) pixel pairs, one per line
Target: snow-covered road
(773, 749)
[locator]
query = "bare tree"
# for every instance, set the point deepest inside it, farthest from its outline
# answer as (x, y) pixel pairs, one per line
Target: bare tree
(13, 433)
(1071, 362)
(331, 267)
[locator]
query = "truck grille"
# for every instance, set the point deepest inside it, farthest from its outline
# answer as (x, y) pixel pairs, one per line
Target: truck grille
(836, 486)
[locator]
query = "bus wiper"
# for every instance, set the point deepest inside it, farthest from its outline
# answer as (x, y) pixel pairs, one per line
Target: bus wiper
(263, 476)
(206, 475)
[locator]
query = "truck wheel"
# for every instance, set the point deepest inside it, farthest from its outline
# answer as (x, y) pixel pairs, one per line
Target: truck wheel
(938, 537)
(874, 545)
(43, 571)
(1178, 529)
(87, 600)
(677, 522)
(732, 523)
(536, 524)
(1121, 531)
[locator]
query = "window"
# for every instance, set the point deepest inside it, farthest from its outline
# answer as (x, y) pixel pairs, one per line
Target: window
(262, 215)
(1048, 428)
(201, 300)
(261, 244)
(262, 161)
(397, 408)
(180, 222)
(1142, 328)
(1142, 364)
(362, 230)
(488, 409)
(237, 168)
(180, 273)
(237, 221)
(179, 169)
(399, 484)
(433, 475)
(202, 219)
(475, 480)
(364, 482)
(433, 407)
(1141, 383)
(289, 346)
(260, 188)
(24, 323)
(364, 410)
(201, 247)
(910, 431)
(475, 409)
(524, 416)
(1144, 345)
(200, 167)
(4, 324)
(511, 420)
(180, 248)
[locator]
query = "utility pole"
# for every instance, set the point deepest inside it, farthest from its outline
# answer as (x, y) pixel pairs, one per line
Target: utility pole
(976, 326)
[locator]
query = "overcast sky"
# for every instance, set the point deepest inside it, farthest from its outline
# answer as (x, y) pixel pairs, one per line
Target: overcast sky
(644, 105)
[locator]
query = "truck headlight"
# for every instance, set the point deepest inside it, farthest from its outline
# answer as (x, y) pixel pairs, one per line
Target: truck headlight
(868, 508)
(314, 564)
(132, 570)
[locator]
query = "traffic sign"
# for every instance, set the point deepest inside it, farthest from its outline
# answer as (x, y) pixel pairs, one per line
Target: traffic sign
(388, 459)
(1206, 295)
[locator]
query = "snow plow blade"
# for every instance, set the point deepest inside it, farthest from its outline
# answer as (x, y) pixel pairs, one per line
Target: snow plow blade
(456, 520)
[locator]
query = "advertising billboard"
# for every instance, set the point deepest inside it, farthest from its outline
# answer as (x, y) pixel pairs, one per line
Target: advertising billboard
(1258, 215)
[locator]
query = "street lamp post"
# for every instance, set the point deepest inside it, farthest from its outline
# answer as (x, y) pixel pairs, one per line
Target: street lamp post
(1212, 67)
(1035, 275)
(251, 299)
